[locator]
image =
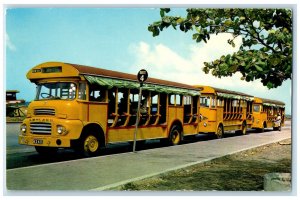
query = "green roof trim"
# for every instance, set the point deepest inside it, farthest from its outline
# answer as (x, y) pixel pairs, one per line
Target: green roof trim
(120, 83)
(235, 96)
(273, 105)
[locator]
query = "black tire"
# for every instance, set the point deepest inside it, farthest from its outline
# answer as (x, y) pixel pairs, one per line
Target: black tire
(88, 145)
(175, 136)
(46, 151)
(220, 132)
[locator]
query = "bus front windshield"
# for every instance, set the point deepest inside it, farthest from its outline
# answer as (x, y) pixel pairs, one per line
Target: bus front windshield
(61, 90)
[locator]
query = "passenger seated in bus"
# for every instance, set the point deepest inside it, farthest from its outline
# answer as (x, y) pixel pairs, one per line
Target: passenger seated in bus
(123, 104)
(144, 109)
(111, 102)
(101, 97)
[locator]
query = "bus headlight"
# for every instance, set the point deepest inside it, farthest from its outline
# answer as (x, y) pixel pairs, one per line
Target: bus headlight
(61, 130)
(23, 129)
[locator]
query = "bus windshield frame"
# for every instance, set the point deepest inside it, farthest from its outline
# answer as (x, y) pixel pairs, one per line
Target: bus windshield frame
(56, 91)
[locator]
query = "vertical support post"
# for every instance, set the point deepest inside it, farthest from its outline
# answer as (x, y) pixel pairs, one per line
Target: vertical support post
(137, 117)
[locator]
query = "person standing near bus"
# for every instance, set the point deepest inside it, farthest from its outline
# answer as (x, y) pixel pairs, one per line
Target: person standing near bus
(277, 121)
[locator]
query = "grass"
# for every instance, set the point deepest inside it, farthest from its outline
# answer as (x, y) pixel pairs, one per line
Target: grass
(238, 172)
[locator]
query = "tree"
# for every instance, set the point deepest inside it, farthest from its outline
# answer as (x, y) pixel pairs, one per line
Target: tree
(266, 50)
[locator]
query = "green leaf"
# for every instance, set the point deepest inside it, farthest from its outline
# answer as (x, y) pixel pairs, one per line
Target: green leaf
(182, 27)
(166, 20)
(233, 68)
(162, 13)
(227, 22)
(195, 36)
(242, 18)
(155, 31)
(217, 21)
(270, 85)
(199, 38)
(258, 68)
(216, 62)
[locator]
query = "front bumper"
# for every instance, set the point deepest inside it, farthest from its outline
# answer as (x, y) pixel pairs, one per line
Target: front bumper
(35, 140)
(51, 138)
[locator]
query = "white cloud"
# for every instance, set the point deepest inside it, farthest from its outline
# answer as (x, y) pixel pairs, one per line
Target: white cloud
(9, 44)
(165, 63)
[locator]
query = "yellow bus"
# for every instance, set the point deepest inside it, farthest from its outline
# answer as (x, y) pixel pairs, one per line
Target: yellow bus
(87, 108)
(266, 113)
(224, 110)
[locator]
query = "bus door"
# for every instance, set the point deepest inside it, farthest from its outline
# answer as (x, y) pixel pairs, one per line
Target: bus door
(175, 108)
(220, 109)
(98, 105)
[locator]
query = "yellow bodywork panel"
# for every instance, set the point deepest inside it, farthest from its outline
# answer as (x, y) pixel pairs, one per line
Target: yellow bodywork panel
(123, 134)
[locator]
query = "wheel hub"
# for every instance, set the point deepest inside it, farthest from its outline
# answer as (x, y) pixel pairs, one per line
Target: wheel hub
(91, 144)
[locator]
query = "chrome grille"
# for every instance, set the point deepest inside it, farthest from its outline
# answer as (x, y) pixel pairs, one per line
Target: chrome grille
(44, 111)
(40, 128)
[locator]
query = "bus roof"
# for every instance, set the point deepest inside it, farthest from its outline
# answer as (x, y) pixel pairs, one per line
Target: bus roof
(63, 70)
(224, 93)
(93, 71)
(269, 102)
(274, 102)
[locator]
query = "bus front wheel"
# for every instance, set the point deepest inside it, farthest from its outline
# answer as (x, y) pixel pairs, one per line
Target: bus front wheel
(89, 145)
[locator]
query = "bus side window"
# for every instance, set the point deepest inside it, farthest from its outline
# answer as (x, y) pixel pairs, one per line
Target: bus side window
(123, 98)
(163, 107)
(144, 108)
(205, 101)
(97, 94)
(82, 91)
(172, 99)
(178, 100)
(213, 102)
(154, 108)
(195, 104)
(175, 100)
(112, 101)
(219, 102)
(145, 102)
(187, 102)
(154, 103)
(134, 97)
(256, 108)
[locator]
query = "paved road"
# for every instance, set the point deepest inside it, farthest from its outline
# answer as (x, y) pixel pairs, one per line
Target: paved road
(104, 172)
(23, 156)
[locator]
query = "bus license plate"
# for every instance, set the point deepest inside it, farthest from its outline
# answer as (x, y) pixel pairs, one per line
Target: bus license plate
(37, 141)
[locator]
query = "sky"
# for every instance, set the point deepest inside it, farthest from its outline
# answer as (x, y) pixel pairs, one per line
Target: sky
(116, 39)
